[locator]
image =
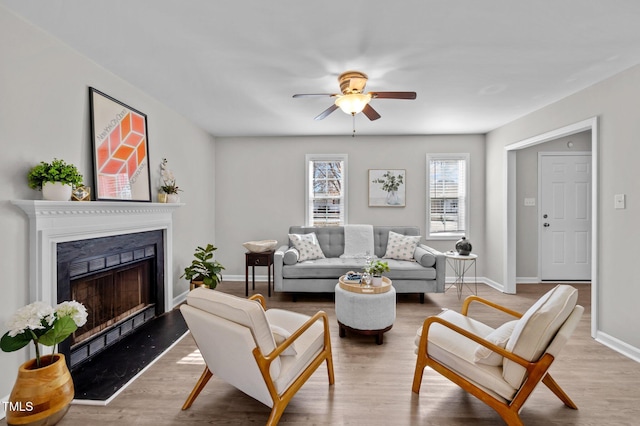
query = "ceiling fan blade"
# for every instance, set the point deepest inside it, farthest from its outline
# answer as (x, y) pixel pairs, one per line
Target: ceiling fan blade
(326, 112)
(313, 95)
(371, 113)
(393, 95)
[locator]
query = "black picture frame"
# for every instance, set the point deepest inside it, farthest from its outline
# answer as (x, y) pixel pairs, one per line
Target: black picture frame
(120, 143)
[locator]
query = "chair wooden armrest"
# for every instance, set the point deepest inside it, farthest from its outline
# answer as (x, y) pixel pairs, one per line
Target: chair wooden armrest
(304, 327)
(260, 298)
(470, 299)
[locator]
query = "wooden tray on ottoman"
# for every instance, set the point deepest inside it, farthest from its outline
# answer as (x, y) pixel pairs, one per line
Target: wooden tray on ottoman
(361, 288)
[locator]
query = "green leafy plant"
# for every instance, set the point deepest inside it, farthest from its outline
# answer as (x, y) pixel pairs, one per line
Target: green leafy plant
(43, 325)
(56, 171)
(390, 182)
(377, 267)
(203, 269)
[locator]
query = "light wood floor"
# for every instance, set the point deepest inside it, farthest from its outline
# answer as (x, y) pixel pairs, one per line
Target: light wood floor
(373, 383)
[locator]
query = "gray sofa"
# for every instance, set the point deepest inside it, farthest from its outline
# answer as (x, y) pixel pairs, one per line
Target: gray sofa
(424, 275)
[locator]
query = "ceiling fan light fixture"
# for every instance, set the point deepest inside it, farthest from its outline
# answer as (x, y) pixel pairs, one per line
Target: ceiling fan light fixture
(353, 103)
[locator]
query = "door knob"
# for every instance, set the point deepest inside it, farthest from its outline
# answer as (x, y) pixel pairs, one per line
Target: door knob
(546, 225)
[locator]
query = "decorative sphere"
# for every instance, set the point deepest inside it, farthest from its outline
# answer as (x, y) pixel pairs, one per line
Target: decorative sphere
(463, 246)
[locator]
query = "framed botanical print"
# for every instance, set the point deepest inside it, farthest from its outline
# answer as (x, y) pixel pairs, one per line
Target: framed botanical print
(120, 150)
(387, 187)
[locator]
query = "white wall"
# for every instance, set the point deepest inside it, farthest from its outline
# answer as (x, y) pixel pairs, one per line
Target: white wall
(616, 102)
(527, 187)
(260, 186)
(44, 113)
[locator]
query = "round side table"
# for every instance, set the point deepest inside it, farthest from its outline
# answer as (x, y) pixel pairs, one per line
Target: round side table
(365, 313)
(460, 265)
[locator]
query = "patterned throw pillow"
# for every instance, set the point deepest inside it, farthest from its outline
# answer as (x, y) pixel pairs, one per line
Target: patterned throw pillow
(307, 245)
(401, 247)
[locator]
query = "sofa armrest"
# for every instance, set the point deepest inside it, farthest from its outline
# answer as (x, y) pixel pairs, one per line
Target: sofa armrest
(440, 265)
(278, 263)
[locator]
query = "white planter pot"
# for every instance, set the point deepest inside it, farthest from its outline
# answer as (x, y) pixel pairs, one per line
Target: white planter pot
(376, 281)
(173, 198)
(56, 191)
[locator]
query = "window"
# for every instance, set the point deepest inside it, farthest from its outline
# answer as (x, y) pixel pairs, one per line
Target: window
(447, 197)
(326, 190)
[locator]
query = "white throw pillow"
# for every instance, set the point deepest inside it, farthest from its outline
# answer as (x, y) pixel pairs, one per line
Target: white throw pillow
(401, 247)
(280, 335)
(307, 245)
(499, 337)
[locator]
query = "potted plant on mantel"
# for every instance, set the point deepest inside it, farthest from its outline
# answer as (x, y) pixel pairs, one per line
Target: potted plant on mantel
(56, 179)
(203, 272)
(376, 268)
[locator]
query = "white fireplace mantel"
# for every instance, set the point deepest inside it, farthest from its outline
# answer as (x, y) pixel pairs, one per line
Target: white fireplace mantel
(53, 222)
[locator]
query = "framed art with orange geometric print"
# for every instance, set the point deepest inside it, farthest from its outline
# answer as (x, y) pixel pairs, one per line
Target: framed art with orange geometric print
(120, 150)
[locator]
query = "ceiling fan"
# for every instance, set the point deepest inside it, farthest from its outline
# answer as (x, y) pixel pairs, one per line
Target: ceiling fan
(353, 100)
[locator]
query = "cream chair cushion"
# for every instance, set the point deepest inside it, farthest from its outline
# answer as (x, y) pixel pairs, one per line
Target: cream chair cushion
(245, 312)
(499, 337)
(537, 327)
(458, 353)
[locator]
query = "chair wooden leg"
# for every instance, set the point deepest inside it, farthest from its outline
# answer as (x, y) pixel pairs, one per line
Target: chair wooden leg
(276, 413)
(202, 382)
(557, 390)
(417, 375)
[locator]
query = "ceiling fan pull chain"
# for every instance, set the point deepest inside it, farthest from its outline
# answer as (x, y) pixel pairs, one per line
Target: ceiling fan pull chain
(353, 115)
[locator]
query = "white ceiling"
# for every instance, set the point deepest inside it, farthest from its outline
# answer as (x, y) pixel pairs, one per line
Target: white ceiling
(233, 66)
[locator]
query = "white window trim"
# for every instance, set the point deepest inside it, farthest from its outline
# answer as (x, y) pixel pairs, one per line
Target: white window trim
(448, 235)
(307, 186)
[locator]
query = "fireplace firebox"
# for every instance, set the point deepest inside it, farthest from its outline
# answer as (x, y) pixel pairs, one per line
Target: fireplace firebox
(119, 279)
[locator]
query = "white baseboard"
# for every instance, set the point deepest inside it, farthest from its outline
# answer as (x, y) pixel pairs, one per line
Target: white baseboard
(618, 346)
(179, 299)
(527, 280)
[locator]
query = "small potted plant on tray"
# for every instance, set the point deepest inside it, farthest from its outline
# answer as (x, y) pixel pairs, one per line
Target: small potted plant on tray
(203, 272)
(375, 269)
(56, 179)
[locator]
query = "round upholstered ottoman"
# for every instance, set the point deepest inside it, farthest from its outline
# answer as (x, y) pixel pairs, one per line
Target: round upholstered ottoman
(370, 314)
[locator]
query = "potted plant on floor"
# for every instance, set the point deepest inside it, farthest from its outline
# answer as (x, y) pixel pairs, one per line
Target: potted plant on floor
(203, 271)
(43, 389)
(56, 179)
(375, 269)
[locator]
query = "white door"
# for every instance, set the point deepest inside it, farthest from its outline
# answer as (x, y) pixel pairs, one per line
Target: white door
(565, 216)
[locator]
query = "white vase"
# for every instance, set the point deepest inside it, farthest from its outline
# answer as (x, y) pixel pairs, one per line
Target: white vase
(173, 198)
(376, 281)
(56, 191)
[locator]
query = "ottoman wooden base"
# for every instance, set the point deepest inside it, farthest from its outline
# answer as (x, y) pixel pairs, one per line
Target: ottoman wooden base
(377, 333)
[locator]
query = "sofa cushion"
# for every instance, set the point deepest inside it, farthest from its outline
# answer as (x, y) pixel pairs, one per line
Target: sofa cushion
(499, 337)
(291, 256)
(537, 327)
(307, 245)
(401, 247)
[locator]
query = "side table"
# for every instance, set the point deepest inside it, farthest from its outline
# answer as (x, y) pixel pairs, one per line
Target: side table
(460, 265)
(257, 259)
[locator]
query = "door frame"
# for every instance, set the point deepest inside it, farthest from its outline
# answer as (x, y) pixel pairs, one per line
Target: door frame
(510, 203)
(539, 207)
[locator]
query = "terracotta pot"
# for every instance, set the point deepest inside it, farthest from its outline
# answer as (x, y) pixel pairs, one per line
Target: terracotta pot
(56, 191)
(41, 396)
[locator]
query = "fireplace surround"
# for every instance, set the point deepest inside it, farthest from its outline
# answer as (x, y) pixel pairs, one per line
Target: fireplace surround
(53, 223)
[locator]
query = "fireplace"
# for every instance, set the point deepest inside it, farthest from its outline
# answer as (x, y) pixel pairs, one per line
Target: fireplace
(108, 238)
(119, 279)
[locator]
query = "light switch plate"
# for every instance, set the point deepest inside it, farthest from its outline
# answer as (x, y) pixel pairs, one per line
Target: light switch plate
(619, 201)
(529, 202)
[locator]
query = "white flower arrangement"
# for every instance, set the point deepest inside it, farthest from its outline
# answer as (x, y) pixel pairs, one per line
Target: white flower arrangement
(42, 324)
(168, 179)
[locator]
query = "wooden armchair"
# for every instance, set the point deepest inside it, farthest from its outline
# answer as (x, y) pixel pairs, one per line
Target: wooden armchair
(500, 367)
(267, 354)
